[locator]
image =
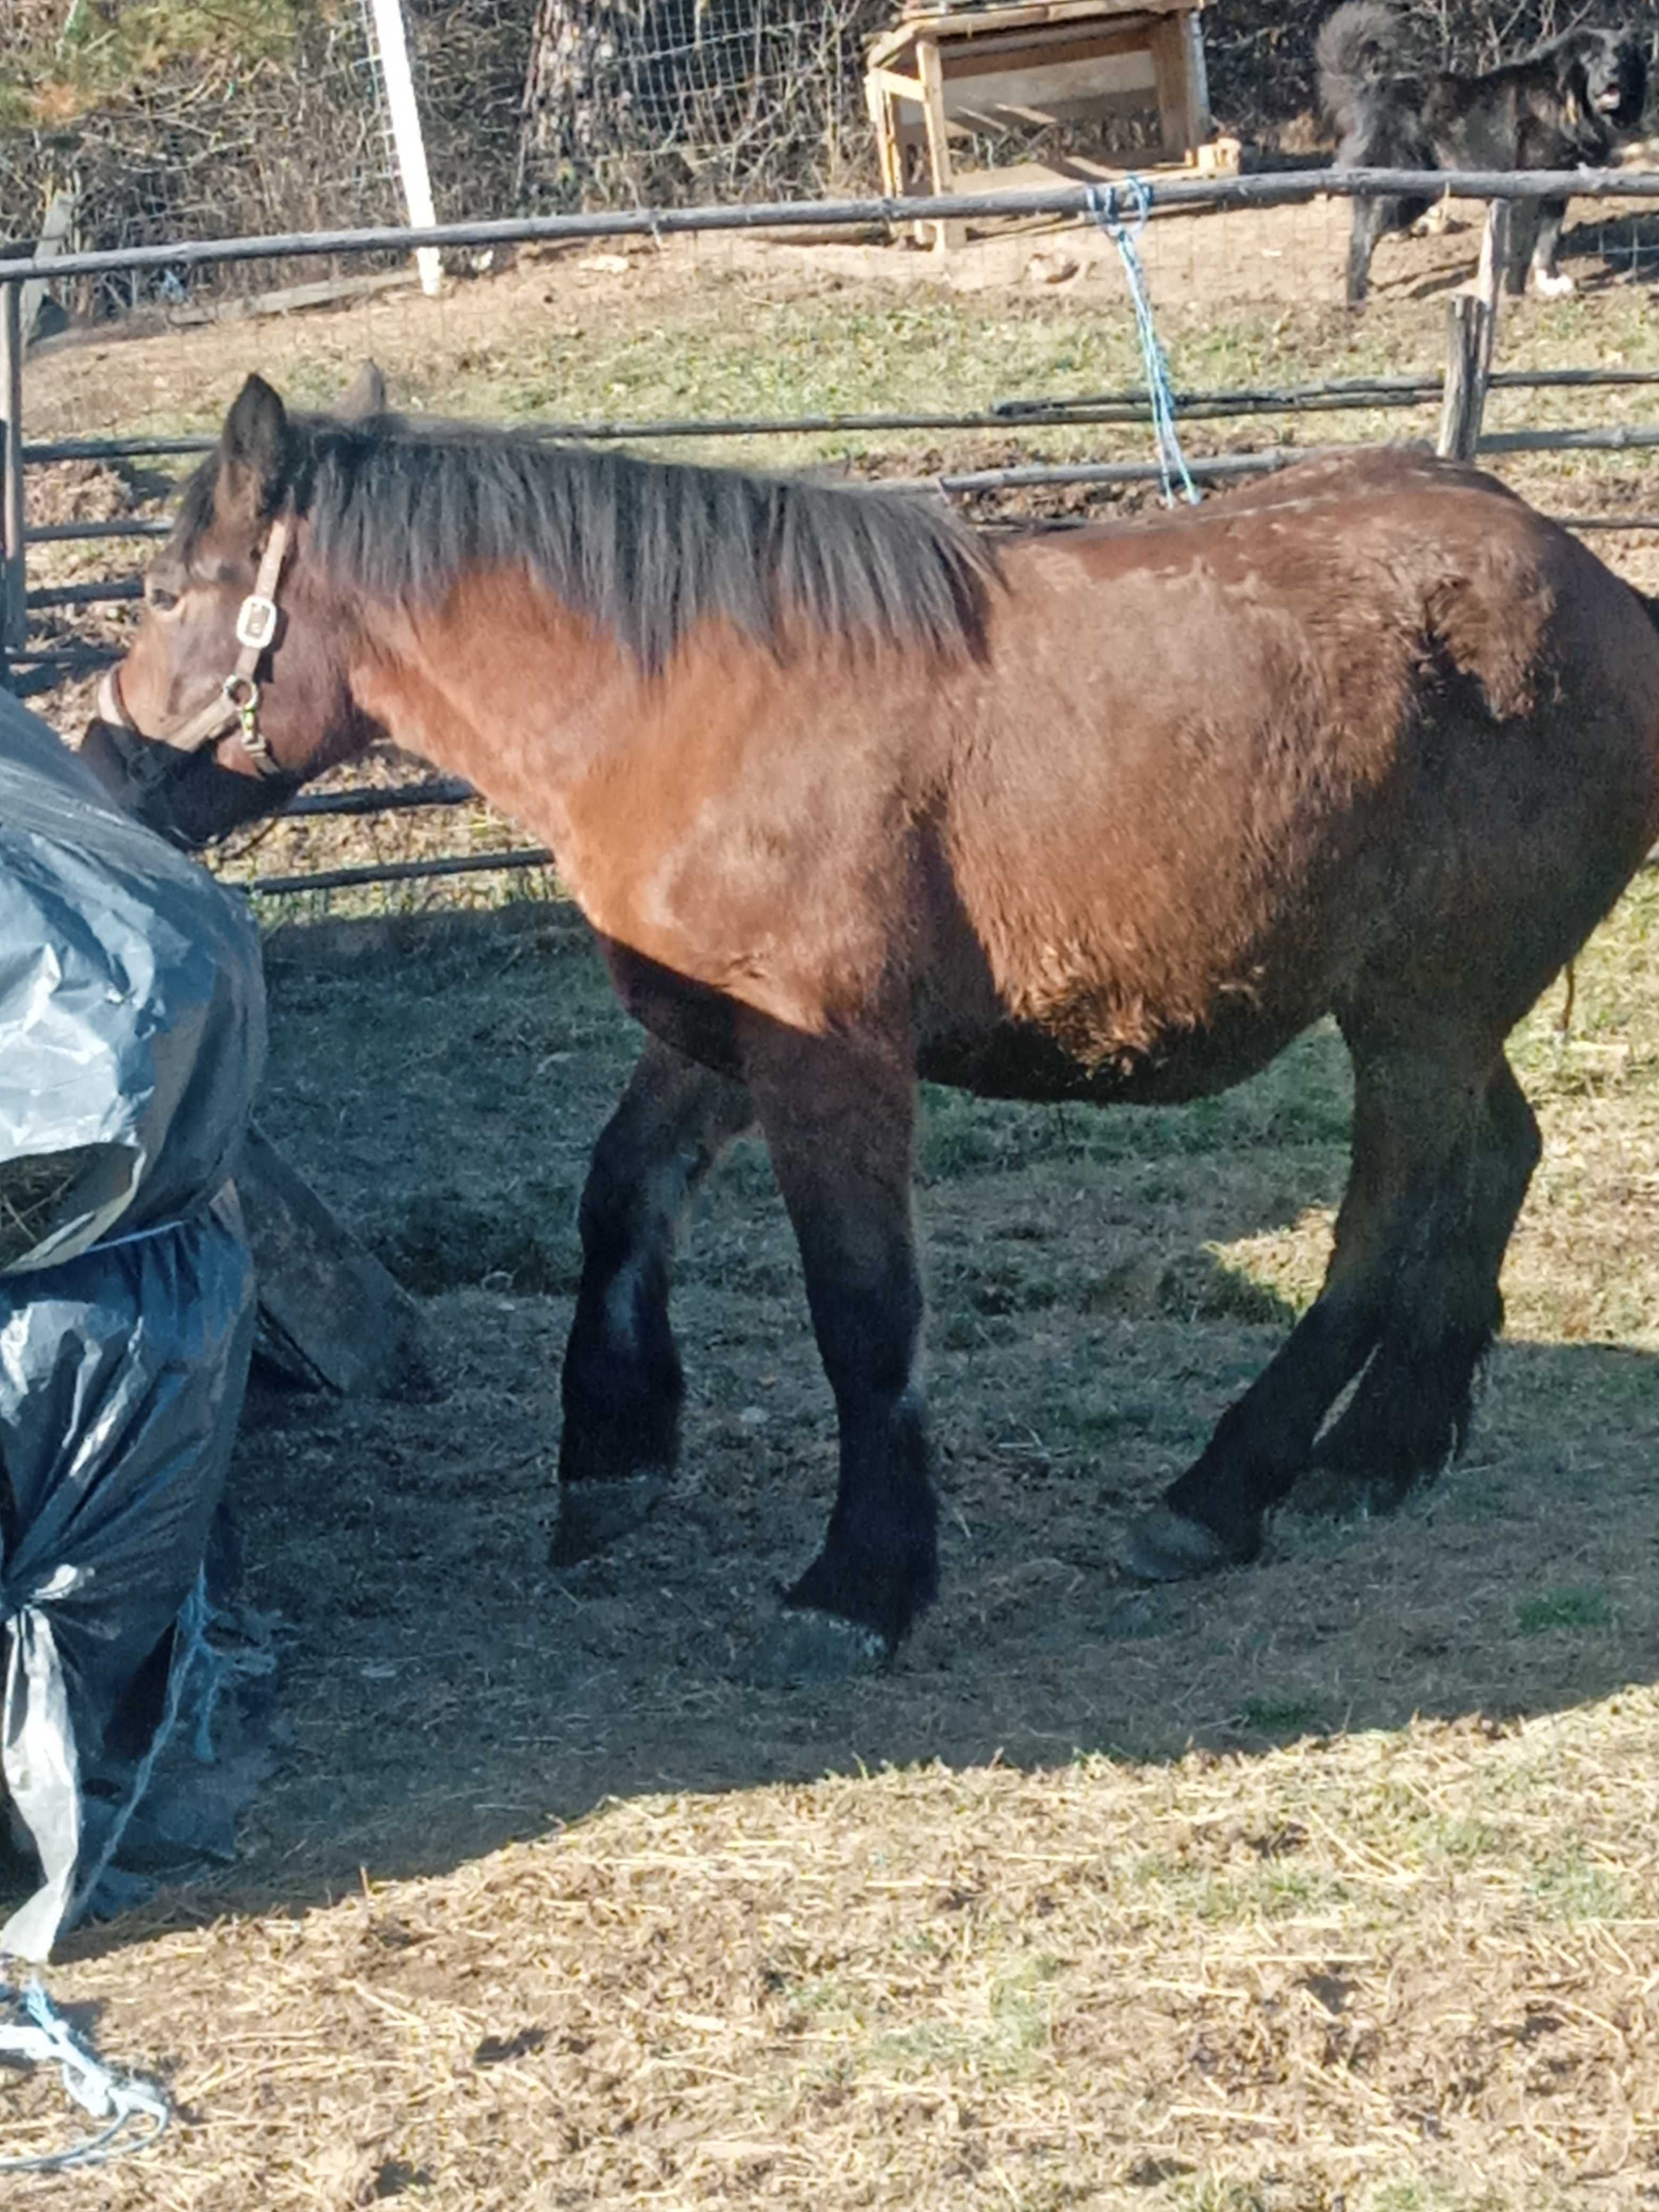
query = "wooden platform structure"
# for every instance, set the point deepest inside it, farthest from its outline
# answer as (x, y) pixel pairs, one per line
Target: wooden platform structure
(949, 71)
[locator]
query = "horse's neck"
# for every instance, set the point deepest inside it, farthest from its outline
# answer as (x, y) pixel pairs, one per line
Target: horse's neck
(546, 715)
(503, 686)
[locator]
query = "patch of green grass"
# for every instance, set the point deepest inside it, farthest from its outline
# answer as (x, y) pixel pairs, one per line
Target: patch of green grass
(1467, 1838)
(1279, 1716)
(1564, 1609)
(1572, 1887)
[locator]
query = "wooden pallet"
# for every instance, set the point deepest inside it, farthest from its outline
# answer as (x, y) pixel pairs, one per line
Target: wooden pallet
(945, 73)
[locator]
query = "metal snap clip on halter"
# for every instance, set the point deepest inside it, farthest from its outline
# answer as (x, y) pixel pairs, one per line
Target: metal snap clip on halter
(242, 696)
(256, 621)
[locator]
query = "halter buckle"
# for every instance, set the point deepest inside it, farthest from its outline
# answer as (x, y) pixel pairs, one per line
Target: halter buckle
(256, 621)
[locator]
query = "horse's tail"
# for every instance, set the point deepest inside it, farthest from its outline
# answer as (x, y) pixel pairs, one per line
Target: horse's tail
(1359, 44)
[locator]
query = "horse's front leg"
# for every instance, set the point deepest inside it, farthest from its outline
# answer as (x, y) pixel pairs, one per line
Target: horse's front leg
(622, 1387)
(839, 1117)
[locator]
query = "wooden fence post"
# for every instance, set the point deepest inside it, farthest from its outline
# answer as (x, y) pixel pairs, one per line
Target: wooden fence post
(1471, 341)
(55, 239)
(14, 605)
(329, 1312)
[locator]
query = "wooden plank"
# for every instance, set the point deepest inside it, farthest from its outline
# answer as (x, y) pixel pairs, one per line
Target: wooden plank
(14, 576)
(895, 85)
(1168, 59)
(1061, 42)
(1471, 341)
(1494, 263)
(946, 234)
(1037, 94)
(1017, 14)
(877, 99)
(1200, 124)
(330, 1314)
(1467, 322)
(286, 298)
(979, 22)
(144, 321)
(53, 241)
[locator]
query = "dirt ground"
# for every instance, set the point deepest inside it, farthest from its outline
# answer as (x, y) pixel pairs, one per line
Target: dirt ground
(1253, 1895)
(493, 323)
(1327, 1884)
(1101, 1286)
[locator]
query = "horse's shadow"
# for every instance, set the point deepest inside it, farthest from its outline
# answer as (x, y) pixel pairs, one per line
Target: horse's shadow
(448, 1691)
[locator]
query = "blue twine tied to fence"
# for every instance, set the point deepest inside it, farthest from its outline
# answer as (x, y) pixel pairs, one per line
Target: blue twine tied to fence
(1103, 205)
(137, 2111)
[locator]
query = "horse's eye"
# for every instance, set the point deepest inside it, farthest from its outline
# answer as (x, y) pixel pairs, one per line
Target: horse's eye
(160, 598)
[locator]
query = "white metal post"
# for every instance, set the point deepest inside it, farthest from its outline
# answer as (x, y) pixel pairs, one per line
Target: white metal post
(388, 15)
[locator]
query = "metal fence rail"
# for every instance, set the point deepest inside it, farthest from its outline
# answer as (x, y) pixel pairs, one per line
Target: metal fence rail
(1129, 406)
(1183, 195)
(1175, 195)
(1216, 468)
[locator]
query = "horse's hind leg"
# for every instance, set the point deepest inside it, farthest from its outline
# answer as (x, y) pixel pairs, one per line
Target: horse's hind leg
(840, 1121)
(1441, 1160)
(1410, 1414)
(622, 1386)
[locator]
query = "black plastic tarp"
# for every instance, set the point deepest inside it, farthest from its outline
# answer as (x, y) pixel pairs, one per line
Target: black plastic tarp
(132, 1034)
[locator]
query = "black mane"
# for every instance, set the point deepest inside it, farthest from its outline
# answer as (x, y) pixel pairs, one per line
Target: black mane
(649, 549)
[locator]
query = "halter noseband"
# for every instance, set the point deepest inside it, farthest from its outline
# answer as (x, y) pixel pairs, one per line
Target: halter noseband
(237, 704)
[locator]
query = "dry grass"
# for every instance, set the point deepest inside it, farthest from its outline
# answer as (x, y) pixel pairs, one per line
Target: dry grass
(31, 1191)
(1332, 1882)
(1397, 1970)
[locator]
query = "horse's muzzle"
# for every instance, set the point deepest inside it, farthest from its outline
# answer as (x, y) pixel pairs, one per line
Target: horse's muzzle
(108, 751)
(128, 767)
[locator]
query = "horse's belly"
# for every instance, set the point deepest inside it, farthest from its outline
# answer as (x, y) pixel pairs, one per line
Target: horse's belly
(1029, 1061)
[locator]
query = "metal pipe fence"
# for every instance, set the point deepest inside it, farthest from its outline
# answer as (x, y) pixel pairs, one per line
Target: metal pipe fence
(1171, 197)
(1184, 195)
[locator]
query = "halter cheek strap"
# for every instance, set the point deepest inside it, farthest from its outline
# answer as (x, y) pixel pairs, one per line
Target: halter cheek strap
(237, 705)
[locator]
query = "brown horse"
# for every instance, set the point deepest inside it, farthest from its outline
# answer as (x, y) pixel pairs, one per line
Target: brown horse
(1112, 814)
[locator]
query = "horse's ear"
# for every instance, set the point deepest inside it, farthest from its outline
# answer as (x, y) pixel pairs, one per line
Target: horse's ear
(365, 395)
(252, 452)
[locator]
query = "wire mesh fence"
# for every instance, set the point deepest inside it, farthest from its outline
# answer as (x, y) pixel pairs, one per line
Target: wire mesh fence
(269, 115)
(666, 99)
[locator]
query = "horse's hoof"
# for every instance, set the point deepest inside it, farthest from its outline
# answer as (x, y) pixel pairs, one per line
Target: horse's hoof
(593, 1516)
(804, 1649)
(1166, 1547)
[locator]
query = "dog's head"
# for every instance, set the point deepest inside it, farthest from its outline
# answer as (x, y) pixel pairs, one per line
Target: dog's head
(1611, 67)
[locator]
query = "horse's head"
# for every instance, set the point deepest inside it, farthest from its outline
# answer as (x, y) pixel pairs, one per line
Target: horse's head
(235, 690)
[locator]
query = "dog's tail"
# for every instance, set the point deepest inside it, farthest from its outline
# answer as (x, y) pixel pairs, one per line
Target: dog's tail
(1361, 43)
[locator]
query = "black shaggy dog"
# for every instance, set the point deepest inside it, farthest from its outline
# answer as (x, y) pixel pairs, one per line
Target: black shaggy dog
(1565, 105)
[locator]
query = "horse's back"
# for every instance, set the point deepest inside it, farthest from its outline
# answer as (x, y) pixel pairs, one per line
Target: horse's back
(1374, 725)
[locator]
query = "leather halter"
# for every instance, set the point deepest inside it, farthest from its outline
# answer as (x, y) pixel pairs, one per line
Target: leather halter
(236, 705)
